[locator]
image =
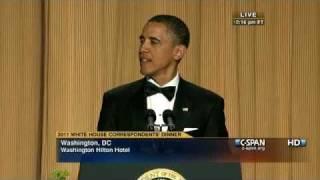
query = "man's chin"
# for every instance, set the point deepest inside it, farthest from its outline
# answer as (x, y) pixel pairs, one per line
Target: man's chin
(145, 73)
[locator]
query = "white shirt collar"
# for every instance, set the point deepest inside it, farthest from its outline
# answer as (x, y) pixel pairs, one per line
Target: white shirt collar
(172, 82)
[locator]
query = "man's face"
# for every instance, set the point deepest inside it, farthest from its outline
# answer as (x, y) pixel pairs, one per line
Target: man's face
(157, 51)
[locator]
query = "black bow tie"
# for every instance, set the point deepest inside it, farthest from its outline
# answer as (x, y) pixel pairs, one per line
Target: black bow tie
(151, 89)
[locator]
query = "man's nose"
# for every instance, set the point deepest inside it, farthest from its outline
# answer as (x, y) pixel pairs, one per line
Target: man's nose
(144, 47)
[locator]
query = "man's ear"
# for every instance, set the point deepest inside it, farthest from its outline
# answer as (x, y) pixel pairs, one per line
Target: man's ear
(179, 52)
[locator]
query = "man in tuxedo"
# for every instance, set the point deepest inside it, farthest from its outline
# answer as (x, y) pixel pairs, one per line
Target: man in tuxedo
(163, 44)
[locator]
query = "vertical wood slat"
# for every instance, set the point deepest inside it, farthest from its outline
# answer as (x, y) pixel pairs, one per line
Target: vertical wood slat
(246, 75)
(273, 78)
(306, 85)
(20, 97)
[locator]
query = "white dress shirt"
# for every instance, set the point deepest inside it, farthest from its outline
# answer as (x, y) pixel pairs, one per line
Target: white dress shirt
(159, 103)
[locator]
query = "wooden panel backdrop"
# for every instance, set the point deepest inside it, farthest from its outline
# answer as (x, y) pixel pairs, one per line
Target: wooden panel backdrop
(20, 89)
(57, 57)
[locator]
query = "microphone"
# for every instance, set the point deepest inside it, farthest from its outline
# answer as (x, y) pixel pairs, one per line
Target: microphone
(151, 117)
(168, 118)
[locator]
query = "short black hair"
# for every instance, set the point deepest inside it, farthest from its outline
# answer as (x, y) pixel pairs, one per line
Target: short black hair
(176, 25)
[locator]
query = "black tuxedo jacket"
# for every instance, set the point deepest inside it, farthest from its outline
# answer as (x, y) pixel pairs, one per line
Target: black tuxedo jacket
(124, 108)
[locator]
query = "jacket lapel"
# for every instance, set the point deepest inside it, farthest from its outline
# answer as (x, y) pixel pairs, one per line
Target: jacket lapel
(182, 106)
(138, 108)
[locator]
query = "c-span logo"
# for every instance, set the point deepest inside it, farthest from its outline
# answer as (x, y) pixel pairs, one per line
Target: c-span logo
(161, 174)
(250, 144)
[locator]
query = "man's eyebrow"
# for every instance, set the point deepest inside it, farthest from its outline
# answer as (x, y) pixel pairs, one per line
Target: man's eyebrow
(154, 38)
(151, 38)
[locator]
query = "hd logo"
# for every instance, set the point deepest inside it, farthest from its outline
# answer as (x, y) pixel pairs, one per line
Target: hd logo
(297, 142)
(251, 144)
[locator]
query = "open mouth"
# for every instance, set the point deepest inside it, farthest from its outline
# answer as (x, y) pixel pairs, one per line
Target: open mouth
(145, 60)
